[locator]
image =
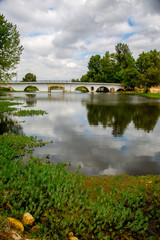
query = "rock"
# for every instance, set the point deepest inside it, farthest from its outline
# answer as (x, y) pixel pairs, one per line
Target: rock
(15, 235)
(28, 219)
(71, 236)
(16, 224)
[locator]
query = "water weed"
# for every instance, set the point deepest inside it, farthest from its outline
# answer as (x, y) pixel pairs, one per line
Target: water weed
(29, 112)
(5, 106)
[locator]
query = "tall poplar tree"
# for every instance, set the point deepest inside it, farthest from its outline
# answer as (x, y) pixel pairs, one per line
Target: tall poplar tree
(10, 49)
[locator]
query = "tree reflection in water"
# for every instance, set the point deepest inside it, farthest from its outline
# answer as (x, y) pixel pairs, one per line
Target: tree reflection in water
(8, 125)
(31, 100)
(144, 116)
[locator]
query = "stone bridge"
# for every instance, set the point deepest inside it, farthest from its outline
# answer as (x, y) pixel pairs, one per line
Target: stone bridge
(45, 86)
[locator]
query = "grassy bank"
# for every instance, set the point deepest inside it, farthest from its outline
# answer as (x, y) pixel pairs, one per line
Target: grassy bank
(104, 207)
(150, 95)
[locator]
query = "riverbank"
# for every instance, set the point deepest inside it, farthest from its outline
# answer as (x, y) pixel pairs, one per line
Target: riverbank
(98, 207)
(150, 95)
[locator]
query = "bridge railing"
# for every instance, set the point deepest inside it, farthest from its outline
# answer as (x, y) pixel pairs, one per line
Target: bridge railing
(65, 81)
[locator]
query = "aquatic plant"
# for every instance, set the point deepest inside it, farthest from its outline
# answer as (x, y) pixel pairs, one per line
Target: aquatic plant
(29, 112)
(5, 106)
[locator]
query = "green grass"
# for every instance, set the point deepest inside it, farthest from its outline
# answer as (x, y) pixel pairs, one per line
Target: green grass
(150, 95)
(104, 207)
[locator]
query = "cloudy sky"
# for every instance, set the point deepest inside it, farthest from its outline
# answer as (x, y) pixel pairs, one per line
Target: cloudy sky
(60, 36)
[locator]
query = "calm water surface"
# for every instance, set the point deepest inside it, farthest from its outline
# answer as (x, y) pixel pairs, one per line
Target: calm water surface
(104, 133)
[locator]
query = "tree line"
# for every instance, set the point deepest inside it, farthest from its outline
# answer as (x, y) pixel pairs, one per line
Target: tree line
(121, 67)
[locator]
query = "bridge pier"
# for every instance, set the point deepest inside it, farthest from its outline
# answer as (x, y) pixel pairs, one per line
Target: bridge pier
(112, 90)
(49, 89)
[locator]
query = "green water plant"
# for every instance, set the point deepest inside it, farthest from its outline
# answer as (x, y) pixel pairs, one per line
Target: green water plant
(29, 112)
(5, 106)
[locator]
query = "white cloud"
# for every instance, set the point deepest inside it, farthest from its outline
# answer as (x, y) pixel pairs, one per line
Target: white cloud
(60, 36)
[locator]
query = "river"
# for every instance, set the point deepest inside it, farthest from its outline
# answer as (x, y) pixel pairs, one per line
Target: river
(104, 133)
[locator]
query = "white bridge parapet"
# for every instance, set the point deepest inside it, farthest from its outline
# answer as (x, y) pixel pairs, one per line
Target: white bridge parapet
(45, 86)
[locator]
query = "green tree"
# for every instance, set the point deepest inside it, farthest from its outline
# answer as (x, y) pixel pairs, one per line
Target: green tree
(94, 63)
(84, 78)
(123, 56)
(148, 60)
(29, 77)
(130, 78)
(143, 62)
(148, 65)
(151, 78)
(94, 67)
(75, 80)
(10, 49)
(125, 66)
(108, 67)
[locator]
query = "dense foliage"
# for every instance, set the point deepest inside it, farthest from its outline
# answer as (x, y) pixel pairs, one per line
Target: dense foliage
(10, 49)
(121, 67)
(29, 77)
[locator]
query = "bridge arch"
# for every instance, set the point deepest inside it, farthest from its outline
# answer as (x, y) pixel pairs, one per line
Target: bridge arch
(10, 88)
(102, 89)
(82, 89)
(55, 88)
(31, 88)
(120, 89)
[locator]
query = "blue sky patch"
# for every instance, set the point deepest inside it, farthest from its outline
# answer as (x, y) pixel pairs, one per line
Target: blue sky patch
(127, 35)
(88, 42)
(81, 57)
(50, 9)
(35, 34)
(131, 22)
